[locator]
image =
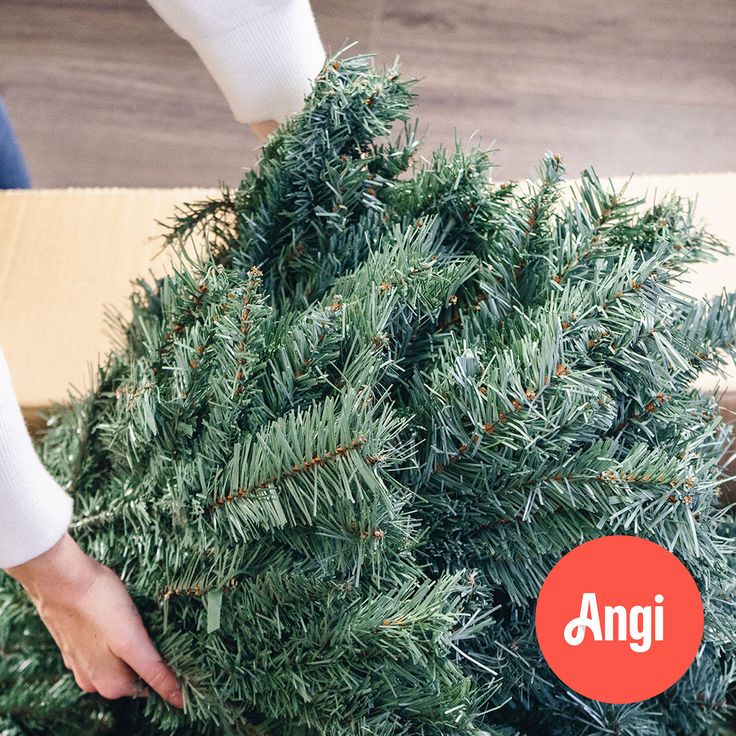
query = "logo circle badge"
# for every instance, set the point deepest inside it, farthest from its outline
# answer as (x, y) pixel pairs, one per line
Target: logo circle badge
(619, 619)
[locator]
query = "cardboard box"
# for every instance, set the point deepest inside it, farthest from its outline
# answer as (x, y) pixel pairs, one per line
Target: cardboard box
(67, 256)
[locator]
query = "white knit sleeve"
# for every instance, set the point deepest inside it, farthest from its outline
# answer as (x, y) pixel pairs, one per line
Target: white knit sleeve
(263, 54)
(34, 510)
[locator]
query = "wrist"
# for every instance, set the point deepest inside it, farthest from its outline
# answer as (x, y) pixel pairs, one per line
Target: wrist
(264, 128)
(62, 572)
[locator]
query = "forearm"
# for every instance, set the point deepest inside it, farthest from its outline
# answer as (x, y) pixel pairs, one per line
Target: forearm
(34, 511)
(263, 54)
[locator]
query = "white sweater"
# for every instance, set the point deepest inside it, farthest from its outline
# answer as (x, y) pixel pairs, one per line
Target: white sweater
(263, 55)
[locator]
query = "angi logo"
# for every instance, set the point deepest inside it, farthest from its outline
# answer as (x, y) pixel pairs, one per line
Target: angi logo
(619, 619)
(619, 623)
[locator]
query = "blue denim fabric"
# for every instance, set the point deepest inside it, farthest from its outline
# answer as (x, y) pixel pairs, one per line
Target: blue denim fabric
(13, 171)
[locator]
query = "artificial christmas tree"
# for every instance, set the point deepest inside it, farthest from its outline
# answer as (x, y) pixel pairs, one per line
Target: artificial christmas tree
(339, 448)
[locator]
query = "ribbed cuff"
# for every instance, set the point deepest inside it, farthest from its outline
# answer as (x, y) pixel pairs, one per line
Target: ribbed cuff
(34, 510)
(263, 55)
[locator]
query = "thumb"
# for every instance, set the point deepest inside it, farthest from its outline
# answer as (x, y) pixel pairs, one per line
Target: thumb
(141, 656)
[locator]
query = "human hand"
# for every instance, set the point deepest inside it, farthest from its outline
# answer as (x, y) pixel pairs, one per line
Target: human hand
(264, 128)
(87, 609)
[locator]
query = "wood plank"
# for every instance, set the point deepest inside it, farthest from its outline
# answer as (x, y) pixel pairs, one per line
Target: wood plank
(103, 93)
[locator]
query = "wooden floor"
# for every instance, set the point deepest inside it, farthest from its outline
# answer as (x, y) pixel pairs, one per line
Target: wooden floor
(103, 93)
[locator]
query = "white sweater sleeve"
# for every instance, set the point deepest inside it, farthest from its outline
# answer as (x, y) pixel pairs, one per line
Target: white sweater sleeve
(263, 54)
(34, 510)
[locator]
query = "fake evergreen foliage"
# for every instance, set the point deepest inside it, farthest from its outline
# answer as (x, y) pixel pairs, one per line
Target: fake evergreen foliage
(337, 451)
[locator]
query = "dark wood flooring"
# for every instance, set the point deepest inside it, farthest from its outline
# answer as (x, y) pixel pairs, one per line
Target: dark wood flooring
(103, 93)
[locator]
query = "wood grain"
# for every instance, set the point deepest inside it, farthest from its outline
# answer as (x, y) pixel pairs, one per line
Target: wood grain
(728, 411)
(103, 93)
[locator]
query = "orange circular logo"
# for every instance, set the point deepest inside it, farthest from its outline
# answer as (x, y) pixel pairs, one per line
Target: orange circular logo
(619, 619)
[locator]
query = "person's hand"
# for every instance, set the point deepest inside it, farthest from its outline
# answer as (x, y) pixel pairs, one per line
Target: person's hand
(87, 609)
(264, 128)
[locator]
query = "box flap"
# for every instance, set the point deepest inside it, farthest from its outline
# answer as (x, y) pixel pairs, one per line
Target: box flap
(65, 256)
